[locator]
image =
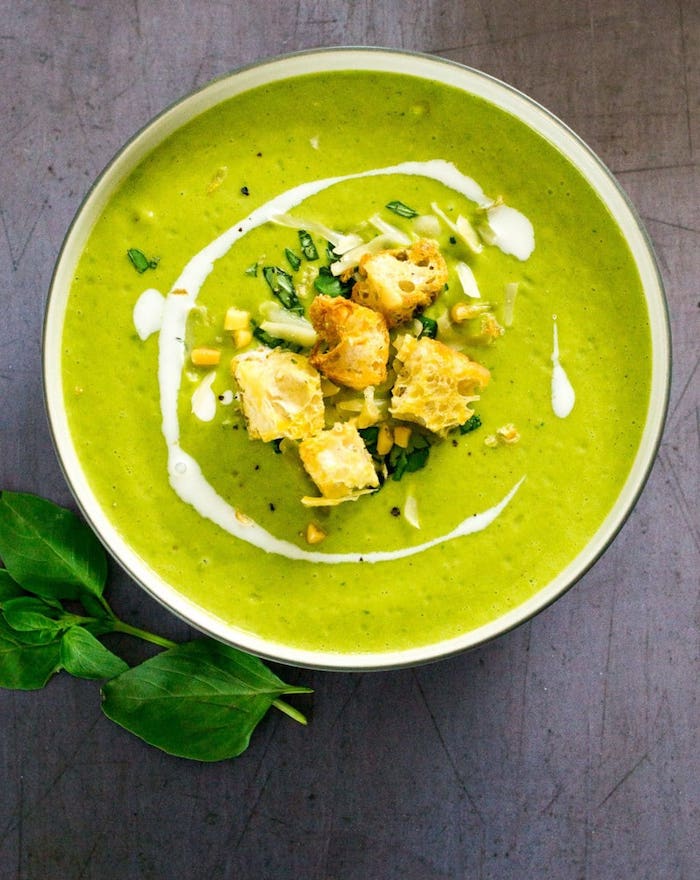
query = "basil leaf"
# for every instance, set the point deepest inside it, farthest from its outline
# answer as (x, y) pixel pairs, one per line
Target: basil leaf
(9, 588)
(293, 260)
(199, 700)
(83, 656)
(27, 613)
(470, 425)
(307, 245)
(140, 261)
(401, 209)
(282, 286)
(24, 666)
(49, 551)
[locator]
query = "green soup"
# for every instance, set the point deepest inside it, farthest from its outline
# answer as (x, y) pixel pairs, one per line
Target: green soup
(209, 176)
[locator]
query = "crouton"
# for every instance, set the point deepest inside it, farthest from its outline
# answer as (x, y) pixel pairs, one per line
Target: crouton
(434, 384)
(280, 394)
(399, 281)
(338, 462)
(353, 343)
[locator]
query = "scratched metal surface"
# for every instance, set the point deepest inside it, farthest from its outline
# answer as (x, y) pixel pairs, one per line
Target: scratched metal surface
(566, 749)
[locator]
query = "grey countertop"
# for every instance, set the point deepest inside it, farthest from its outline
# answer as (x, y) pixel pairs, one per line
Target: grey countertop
(567, 749)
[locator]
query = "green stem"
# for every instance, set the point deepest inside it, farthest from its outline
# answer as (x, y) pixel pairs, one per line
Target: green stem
(120, 626)
(289, 710)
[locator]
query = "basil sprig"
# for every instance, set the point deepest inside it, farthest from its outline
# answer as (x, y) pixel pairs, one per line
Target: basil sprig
(199, 699)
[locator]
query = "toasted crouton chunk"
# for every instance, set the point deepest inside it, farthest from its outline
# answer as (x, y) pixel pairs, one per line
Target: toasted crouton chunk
(397, 282)
(280, 394)
(353, 344)
(435, 384)
(338, 462)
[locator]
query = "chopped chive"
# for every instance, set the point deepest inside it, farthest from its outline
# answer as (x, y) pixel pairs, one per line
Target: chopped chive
(307, 245)
(293, 260)
(282, 286)
(401, 209)
(140, 261)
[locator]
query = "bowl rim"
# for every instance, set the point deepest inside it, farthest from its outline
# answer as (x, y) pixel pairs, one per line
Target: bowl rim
(423, 66)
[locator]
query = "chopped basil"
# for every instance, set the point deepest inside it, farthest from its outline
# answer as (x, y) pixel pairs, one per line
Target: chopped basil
(430, 327)
(401, 209)
(293, 260)
(398, 461)
(274, 341)
(369, 437)
(327, 283)
(307, 245)
(140, 261)
(282, 286)
(470, 425)
(407, 461)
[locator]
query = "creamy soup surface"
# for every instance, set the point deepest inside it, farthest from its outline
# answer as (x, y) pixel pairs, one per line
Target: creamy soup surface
(485, 523)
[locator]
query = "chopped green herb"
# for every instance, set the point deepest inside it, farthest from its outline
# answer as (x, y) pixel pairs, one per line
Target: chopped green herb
(281, 284)
(140, 261)
(331, 255)
(307, 245)
(245, 191)
(401, 209)
(327, 283)
(252, 270)
(470, 425)
(274, 341)
(293, 260)
(398, 461)
(370, 436)
(430, 327)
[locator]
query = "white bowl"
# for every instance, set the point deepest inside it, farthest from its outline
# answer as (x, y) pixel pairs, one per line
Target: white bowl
(381, 60)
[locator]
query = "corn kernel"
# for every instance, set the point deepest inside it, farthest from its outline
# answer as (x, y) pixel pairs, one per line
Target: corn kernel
(385, 439)
(314, 535)
(241, 338)
(402, 434)
(508, 434)
(460, 312)
(236, 319)
(205, 357)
